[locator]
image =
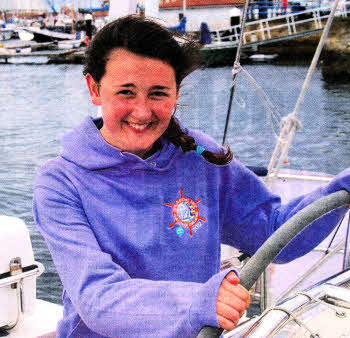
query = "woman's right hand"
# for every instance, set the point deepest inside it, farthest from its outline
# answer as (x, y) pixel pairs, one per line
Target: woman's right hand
(232, 301)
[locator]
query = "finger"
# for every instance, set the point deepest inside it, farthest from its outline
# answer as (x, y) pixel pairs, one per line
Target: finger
(232, 300)
(237, 290)
(226, 323)
(229, 316)
(228, 312)
(232, 278)
(245, 291)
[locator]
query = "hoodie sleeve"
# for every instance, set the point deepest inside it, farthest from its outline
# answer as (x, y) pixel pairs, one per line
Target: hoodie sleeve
(253, 213)
(108, 301)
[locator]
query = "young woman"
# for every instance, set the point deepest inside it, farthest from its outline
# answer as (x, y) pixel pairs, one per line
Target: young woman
(136, 206)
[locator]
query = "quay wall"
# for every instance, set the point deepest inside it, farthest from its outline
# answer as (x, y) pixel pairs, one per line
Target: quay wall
(334, 59)
(335, 56)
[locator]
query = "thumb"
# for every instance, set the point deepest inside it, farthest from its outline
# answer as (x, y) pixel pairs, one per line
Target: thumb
(232, 278)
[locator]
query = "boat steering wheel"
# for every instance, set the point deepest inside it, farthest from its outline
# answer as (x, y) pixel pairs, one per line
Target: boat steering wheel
(278, 240)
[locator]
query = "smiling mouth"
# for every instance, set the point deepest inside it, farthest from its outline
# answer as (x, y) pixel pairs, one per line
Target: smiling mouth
(139, 127)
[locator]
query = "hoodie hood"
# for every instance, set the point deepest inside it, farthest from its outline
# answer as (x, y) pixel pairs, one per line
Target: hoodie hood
(85, 146)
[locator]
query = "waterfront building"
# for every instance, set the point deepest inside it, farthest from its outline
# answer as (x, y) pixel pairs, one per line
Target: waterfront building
(218, 14)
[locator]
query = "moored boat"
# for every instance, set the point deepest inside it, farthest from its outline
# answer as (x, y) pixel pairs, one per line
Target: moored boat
(6, 34)
(46, 35)
(69, 44)
(25, 36)
(263, 57)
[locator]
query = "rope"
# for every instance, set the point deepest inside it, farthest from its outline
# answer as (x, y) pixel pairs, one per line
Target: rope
(291, 123)
(235, 65)
(346, 262)
(334, 235)
(272, 113)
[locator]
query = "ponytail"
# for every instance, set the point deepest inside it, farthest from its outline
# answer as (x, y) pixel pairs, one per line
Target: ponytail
(176, 135)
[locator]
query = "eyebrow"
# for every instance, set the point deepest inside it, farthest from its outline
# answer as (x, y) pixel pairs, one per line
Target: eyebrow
(127, 85)
(157, 87)
(160, 87)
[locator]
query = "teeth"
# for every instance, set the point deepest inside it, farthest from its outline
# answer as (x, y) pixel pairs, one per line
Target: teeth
(138, 126)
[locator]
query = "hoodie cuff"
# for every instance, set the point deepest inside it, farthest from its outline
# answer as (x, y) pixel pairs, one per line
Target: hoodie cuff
(203, 309)
(339, 182)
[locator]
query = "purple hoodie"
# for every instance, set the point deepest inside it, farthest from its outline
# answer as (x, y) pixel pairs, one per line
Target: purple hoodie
(136, 242)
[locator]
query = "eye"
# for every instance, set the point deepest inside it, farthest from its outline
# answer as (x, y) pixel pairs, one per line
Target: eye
(159, 94)
(126, 92)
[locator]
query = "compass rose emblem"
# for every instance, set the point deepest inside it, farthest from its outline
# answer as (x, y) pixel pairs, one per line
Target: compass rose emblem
(185, 212)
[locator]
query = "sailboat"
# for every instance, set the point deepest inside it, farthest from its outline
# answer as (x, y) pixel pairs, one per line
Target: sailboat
(29, 33)
(6, 33)
(45, 35)
(297, 308)
(18, 7)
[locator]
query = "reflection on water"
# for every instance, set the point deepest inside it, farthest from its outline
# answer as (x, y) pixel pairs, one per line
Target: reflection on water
(39, 103)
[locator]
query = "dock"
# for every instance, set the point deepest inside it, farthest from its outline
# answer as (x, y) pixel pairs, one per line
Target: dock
(67, 56)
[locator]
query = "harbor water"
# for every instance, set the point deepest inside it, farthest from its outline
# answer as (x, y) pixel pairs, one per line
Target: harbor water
(39, 103)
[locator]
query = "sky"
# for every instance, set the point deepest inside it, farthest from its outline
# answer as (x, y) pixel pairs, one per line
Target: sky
(77, 3)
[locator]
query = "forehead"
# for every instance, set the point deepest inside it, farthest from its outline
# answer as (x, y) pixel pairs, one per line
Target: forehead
(123, 65)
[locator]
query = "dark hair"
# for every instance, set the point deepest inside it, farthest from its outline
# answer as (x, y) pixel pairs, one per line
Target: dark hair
(145, 37)
(179, 138)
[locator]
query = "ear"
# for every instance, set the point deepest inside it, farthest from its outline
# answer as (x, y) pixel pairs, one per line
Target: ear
(93, 90)
(177, 97)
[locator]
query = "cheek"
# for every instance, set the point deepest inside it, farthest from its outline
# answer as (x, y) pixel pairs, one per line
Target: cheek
(113, 113)
(164, 111)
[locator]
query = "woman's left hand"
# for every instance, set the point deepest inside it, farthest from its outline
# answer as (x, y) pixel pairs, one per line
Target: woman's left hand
(232, 301)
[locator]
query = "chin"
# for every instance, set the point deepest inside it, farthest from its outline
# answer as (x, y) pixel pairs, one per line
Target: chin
(139, 152)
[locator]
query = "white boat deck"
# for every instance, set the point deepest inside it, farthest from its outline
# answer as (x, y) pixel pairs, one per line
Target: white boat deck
(42, 323)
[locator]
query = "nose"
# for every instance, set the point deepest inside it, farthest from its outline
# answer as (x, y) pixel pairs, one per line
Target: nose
(141, 108)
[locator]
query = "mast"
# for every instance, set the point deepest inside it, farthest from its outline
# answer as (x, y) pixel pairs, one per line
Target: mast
(52, 5)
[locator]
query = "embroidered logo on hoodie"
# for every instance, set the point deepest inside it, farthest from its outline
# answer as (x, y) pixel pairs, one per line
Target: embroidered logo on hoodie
(186, 214)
